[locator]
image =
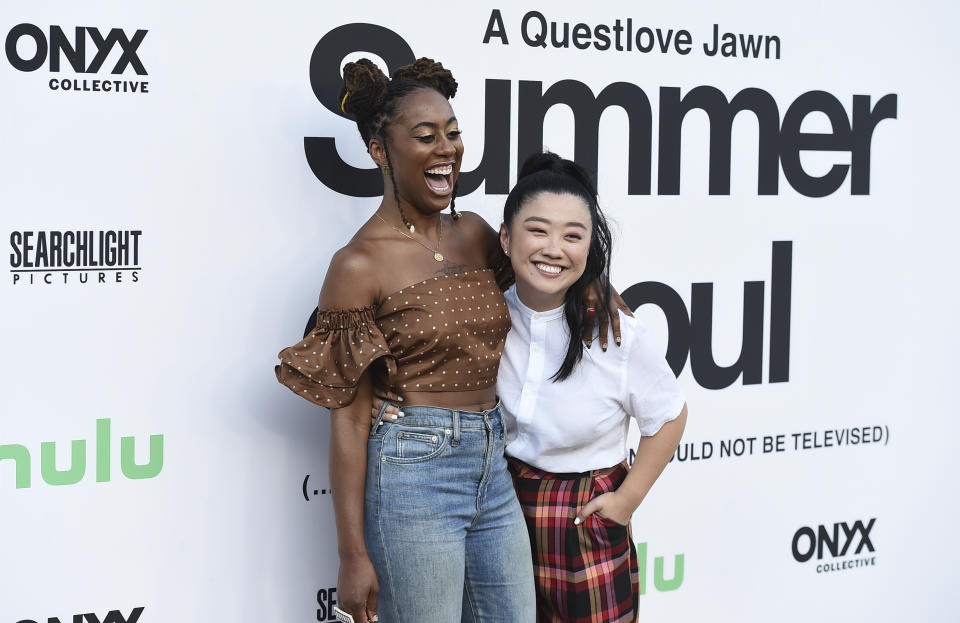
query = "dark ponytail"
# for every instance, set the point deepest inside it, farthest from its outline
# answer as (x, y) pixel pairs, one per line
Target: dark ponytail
(548, 172)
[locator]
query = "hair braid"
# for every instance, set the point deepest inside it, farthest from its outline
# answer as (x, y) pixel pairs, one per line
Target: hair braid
(396, 191)
(453, 201)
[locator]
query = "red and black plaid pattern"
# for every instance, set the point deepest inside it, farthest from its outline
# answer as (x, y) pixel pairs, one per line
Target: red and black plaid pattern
(586, 573)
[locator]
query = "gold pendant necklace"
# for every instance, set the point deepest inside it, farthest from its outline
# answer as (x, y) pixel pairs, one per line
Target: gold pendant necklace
(436, 252)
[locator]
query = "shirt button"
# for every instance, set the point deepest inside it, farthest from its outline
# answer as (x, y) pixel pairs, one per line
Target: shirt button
(536, 316)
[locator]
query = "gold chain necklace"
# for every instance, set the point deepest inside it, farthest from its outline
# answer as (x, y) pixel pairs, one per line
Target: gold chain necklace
(436, 252)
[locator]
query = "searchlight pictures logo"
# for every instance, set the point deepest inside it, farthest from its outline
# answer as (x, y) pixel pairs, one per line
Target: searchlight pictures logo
(71, 54)
(75, 257)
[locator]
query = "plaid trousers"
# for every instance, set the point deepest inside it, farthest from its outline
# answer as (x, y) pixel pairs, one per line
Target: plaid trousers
(586, 573)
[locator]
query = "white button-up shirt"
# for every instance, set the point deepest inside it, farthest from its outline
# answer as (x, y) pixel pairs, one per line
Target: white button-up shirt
(579, 424)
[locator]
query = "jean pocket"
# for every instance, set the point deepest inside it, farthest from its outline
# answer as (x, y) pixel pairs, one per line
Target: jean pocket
(414, 446)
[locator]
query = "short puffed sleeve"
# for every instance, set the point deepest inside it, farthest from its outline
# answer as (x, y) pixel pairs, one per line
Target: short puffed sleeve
(326, 366)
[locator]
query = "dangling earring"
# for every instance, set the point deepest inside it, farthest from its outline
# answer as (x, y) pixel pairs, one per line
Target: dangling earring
(386, 169)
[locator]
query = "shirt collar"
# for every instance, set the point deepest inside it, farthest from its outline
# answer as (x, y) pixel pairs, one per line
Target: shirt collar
(551, 314)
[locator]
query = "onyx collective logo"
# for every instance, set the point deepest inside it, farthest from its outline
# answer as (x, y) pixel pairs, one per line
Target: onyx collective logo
(114, 616)
(839, 547)
(75, 256)
(81, 51)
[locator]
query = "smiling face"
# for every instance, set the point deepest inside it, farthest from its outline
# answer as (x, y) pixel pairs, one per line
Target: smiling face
(548, 243)
(425, 150)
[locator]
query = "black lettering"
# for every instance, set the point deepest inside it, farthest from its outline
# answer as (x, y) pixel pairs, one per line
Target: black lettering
(560, 43)
(75, 54)
(587, 110)
(494, 167)
(103, 45)
(26, 64)
(827, 539)
(848, 533)
(645, 46)
(781, 275)
(712, 51)
(325, 79)
(495, 28)
(129, 52)
(675, 312)
(750, 361)
(539, 40)
(798, 555)
(41, 257)
(865, 122)
(581, 36)
(683, 42)
(16, 258)
(729, 47)
(750, 45)
(864, 535)
(711, 100)
(114, 616)
(664, 43)
(27, 249)
(602, 34)
(793, 141)
(767, 42)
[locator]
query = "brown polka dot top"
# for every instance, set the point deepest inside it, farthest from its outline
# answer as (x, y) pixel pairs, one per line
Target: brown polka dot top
(440, 335)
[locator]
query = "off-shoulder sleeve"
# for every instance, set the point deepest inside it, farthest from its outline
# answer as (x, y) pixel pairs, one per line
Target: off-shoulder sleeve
(326, 366)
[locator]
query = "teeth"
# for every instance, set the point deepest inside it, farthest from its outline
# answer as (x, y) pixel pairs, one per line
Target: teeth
(446, 169)
(547, 268)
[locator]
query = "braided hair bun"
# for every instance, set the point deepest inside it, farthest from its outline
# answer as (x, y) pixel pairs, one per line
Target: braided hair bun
(430, 72)
(364, 88)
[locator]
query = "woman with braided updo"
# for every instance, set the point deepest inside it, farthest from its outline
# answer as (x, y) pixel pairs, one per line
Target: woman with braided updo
(428, 524)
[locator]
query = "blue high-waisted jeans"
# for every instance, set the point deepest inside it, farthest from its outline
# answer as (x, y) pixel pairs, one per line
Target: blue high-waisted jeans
(443, 527)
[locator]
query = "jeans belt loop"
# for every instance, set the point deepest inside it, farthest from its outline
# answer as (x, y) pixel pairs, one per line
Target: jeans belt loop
(376, 422)
(456, 429)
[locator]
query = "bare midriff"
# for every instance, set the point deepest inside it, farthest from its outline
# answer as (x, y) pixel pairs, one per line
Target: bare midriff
(474, 400)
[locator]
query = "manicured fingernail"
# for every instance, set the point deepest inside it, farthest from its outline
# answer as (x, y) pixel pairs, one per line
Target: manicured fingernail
(400, 413)
(400, 398)
(576, 521)
(589, 344)
(603, 345)
(392, 417)
(618, 341)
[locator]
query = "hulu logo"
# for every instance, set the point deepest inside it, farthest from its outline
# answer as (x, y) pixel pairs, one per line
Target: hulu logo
(660, 582)
(78, 459)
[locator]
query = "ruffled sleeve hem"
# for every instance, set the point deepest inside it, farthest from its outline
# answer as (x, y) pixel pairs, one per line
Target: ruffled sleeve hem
(325, 367)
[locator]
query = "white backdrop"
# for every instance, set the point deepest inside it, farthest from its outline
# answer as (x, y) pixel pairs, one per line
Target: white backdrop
(229, 519)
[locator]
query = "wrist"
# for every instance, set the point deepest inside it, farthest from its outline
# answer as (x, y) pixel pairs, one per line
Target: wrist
(352, 552)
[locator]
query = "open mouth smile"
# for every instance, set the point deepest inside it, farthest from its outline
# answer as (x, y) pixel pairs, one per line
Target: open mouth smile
(439, 178)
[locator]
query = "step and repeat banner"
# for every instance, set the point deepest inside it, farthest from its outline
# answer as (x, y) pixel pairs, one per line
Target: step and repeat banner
(176, 177)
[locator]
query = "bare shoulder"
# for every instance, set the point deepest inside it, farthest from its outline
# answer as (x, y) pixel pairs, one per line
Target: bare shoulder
(351, 280)
(477, 229)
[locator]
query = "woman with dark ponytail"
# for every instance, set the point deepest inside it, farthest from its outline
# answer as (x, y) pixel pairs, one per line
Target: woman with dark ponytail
(567, 409)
